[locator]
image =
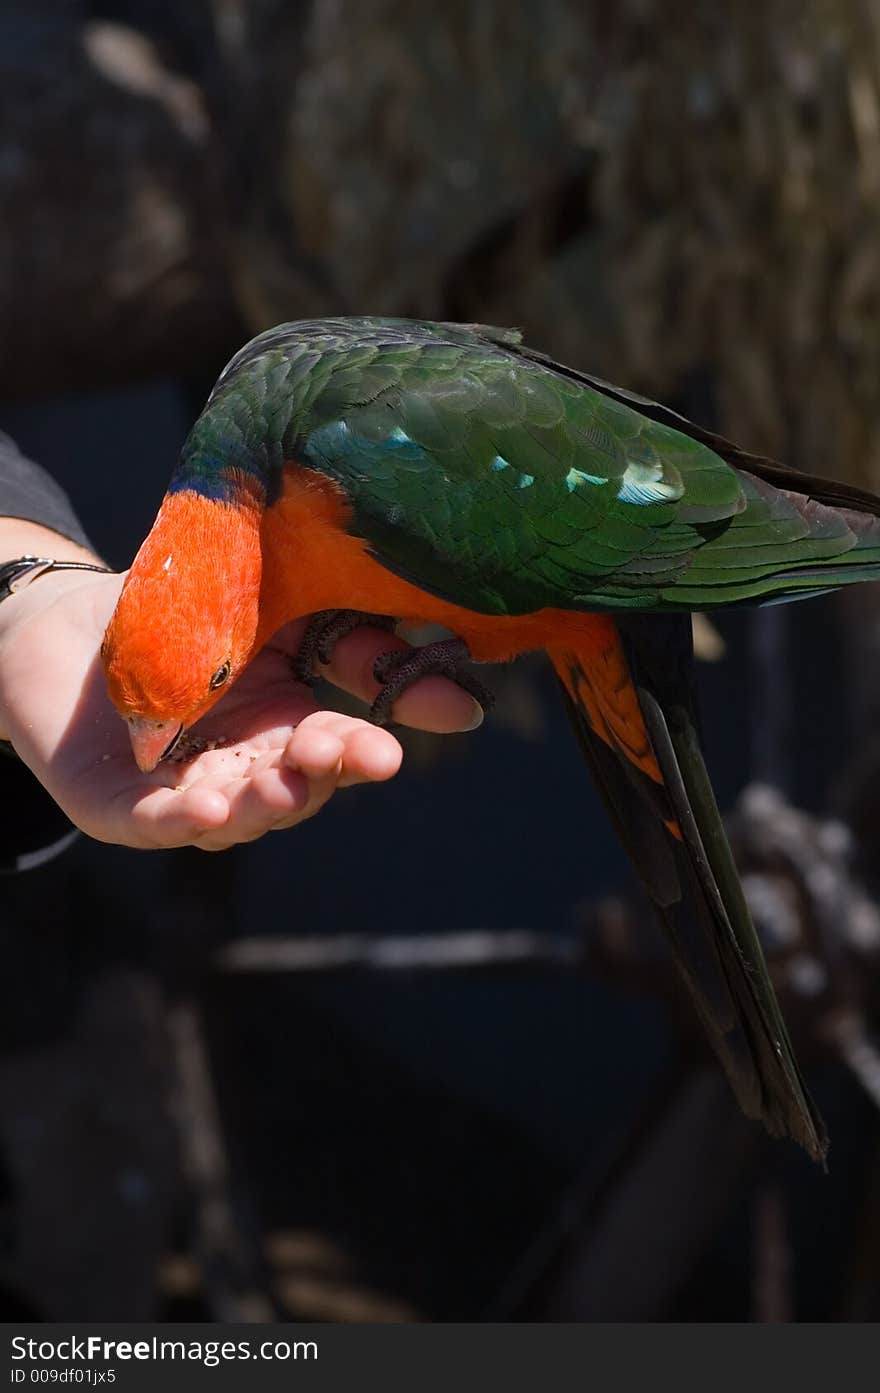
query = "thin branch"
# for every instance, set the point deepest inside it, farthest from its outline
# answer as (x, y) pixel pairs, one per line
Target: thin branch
(424, 952)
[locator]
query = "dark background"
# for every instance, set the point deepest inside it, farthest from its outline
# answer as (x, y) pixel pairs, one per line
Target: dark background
(686, 203)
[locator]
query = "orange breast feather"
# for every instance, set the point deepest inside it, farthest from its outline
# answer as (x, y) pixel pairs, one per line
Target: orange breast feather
(311, 562)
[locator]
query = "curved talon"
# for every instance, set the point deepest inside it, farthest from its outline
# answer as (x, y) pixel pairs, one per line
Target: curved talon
(397, 671)
(323, 632)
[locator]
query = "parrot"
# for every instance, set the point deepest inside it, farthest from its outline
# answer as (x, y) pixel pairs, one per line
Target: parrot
(447, 474)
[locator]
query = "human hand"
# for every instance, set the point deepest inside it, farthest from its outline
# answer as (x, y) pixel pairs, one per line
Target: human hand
(284, 759)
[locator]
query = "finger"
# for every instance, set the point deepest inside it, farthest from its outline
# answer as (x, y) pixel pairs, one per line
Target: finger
(365, 752)
(328, 750)
(371, 755)
(288, 638)
(432, 703)
(270, 798)
(316, 748)
(169, 817)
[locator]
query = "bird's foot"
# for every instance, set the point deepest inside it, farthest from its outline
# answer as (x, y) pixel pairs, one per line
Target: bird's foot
(397, 671)
(323, 632)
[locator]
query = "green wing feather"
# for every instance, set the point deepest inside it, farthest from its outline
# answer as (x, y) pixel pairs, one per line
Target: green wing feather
(507, 483)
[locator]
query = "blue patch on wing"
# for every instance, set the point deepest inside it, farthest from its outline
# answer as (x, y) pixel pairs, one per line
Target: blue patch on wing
(575, 477)
(350, 456)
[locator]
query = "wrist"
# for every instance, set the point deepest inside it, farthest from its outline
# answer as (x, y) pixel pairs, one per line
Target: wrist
(21, 539)
(39, 590)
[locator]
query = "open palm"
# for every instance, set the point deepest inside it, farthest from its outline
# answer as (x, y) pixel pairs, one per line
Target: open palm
(279, 756)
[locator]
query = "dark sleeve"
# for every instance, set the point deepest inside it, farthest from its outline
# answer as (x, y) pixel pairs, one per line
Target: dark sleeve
(27, 491)
(32, 827)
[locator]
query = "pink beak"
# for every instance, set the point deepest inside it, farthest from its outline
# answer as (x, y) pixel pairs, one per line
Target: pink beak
(152, 740)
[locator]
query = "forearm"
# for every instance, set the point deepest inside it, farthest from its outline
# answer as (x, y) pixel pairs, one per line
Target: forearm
(21, 537)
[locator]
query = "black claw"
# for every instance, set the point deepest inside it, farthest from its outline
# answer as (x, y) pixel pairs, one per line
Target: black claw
(397, 671)
(323, 632)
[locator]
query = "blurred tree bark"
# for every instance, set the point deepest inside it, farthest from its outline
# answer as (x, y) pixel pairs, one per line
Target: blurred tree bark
(654, 189)
(112, 263)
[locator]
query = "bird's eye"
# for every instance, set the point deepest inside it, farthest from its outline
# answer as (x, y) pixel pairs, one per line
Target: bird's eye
(221, 676)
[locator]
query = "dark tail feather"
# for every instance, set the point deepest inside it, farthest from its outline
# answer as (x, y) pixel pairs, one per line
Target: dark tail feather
(663, 808)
